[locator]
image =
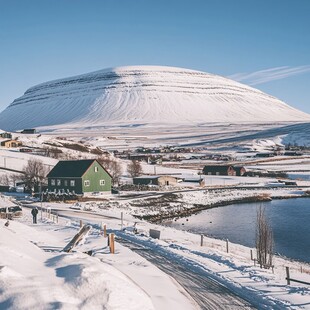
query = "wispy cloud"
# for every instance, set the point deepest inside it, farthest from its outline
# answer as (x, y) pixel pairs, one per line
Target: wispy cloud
(268, 75)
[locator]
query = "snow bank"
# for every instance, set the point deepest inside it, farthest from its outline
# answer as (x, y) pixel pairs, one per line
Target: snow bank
(31, 278)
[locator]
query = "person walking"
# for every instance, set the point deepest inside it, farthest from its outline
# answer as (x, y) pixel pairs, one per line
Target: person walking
(34, 213)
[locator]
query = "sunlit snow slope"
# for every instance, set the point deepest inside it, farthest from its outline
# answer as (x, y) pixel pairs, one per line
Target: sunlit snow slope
(140, 95)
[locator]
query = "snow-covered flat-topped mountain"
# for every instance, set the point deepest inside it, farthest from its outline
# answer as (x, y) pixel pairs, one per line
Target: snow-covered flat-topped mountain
(143, 95)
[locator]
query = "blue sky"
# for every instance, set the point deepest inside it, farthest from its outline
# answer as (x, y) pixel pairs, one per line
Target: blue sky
(262, 43)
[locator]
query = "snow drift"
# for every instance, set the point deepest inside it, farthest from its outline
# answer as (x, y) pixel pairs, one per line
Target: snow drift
(143, 95)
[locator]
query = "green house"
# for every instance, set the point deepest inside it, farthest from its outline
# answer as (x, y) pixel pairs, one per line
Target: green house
(83, 177)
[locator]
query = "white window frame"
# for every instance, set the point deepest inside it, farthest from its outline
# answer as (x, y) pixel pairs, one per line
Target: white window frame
(58, 182)
(53, 182)
(87, 183)
(96, 169)
(102, 182)
(65, 182)
(72, 183)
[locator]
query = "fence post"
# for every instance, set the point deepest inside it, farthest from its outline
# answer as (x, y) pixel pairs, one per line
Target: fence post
(227, 249)
(81, 223)
(112, 248)
(57, 218)
(105, 231)
(288, 275)
(122, 220)
(251, 254)
(201, 240)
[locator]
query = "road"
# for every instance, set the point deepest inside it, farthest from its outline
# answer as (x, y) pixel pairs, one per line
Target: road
(208, 293)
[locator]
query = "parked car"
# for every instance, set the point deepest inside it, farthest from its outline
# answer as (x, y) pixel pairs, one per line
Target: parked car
(114, 191)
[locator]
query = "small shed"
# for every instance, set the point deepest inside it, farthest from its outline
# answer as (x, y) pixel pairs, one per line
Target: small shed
(160, 180)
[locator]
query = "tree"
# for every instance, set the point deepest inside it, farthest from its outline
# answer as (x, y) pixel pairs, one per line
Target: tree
(15, 177)
(264, 239)
(5, 180)
(34, 173)
(134, 168)
(113, 166)
(11, 179)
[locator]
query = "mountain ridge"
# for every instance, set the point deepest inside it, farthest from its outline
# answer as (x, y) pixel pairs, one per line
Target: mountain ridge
(143, 94)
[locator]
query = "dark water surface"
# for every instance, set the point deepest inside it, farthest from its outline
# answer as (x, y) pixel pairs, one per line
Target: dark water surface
(299, 176)
(289, 218)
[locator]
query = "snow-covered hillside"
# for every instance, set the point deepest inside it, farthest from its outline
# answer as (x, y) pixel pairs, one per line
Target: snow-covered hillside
(143, 95)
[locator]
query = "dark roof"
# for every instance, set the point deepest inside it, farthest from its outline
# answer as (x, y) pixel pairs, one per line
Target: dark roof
(147, 177)
(70, 168)
(238, 168)
(216, 168)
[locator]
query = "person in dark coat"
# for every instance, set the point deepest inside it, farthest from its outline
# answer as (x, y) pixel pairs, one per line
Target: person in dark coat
(34, 213)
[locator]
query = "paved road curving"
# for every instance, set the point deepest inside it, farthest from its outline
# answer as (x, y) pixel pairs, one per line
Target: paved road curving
(208, 293)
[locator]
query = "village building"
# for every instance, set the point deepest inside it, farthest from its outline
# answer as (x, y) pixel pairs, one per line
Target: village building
(29, 131)
(160, 180)
(240, 170)
(82, 177)
(11, 143)
(150, 159)
(264, 154)
(224, 170)
(219, 170)
(6, 135)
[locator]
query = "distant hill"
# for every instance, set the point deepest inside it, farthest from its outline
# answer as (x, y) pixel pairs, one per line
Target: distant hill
(130, 96)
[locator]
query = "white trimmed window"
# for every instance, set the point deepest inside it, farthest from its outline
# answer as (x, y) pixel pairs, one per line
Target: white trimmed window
(96, 169)
(102, 182)
(72, 182)
(58, 182)
(86, 183)
(65, 183)
(53, 182)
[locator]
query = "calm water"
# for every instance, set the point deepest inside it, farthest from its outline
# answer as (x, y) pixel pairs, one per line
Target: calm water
(299, 176)
(289, 218)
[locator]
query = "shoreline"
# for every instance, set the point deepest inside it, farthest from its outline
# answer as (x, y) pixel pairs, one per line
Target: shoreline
(158, 218)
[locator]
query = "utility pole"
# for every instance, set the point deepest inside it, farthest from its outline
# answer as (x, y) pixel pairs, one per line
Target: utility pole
(41, 199)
